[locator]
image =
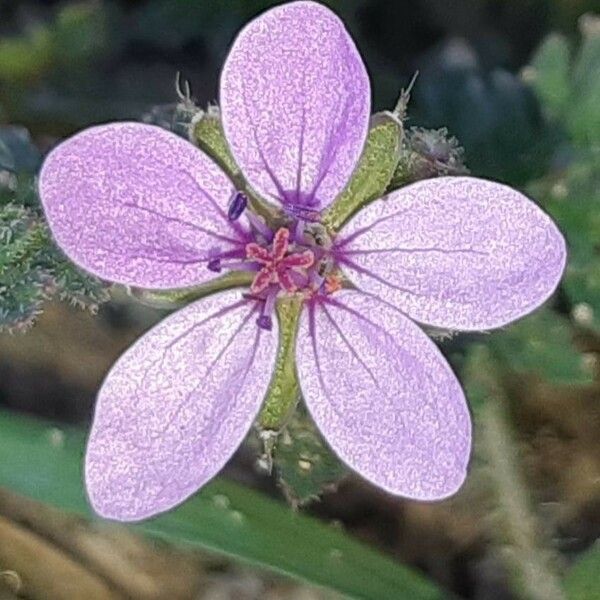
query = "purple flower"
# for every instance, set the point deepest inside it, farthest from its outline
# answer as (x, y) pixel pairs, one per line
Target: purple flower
(137, 205)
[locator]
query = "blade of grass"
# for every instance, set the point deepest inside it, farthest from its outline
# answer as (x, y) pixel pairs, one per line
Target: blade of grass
(44, 462)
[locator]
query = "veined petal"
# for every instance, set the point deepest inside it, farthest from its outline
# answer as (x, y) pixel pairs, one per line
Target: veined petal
(176, 405)
(135, 204)
(295, 100)
(384, 397)
(455, 252)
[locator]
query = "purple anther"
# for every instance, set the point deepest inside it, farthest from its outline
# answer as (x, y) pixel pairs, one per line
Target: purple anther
(237, 206)
(214, 265)
(265, 322)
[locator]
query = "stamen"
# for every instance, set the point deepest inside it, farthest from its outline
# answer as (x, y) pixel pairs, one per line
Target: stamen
(258, 223)
(265, 321)
(299, 231)
(333, 283)
(237, 205)
(214, 265)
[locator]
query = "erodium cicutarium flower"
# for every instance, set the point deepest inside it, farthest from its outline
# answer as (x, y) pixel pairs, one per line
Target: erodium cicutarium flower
(137, 205)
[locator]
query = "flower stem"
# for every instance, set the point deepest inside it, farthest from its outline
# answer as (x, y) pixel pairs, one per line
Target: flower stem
(532, 563)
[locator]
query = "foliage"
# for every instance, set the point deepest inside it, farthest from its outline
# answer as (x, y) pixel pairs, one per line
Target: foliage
(45, 463)
(568, 84)
(32, 268)
(540, 132)
(581, 582)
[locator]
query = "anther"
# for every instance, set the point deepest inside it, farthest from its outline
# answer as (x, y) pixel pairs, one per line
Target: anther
(265, 322)
(214, 265)
(237, 205)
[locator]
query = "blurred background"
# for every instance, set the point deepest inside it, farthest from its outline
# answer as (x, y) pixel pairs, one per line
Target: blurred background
(517, 85)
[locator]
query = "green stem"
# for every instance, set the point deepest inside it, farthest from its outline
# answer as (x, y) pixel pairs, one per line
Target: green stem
(531, 562)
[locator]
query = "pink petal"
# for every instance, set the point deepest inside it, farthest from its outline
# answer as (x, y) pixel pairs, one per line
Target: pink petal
(295, 99)
(455, 252)
(176, 405)
(384, 396)
(135, 204)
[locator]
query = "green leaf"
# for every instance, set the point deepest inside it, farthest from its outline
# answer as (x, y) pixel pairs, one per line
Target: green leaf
(73, 285)
(573, 200)
(33, 269)
(542, 343)
(373, 173)
(583, 117)
(44, 462)
(549, 73)
(282, 395)
(581, 582)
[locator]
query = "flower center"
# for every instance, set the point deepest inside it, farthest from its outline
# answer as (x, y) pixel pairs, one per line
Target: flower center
(294, 258)
(280, 265)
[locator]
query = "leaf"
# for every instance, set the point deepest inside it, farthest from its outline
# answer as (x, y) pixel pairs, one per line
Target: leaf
(583, 117)
(581, 582)
(73, 285)
(493, 113)
(542, 343)
(282, 395)
(32, 268)
(373, 173)
(44, 462)
(573, 199)
(549, 73)
(569, 87)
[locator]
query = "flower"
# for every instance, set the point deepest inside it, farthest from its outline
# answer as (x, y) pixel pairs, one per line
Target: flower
(137, 205)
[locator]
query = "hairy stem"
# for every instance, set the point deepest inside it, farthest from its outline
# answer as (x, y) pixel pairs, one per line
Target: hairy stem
(531, 562)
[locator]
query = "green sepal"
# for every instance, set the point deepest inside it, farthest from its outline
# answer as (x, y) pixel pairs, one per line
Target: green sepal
(373, 173)
(304, 464)
(207, 133)
(176, 298)
(283, 393)
(427, 153)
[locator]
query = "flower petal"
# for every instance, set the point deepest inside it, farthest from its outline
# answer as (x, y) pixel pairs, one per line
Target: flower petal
(455, 252)
(384, 397)
(295, 99)
(176, 405)
(135, 204)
